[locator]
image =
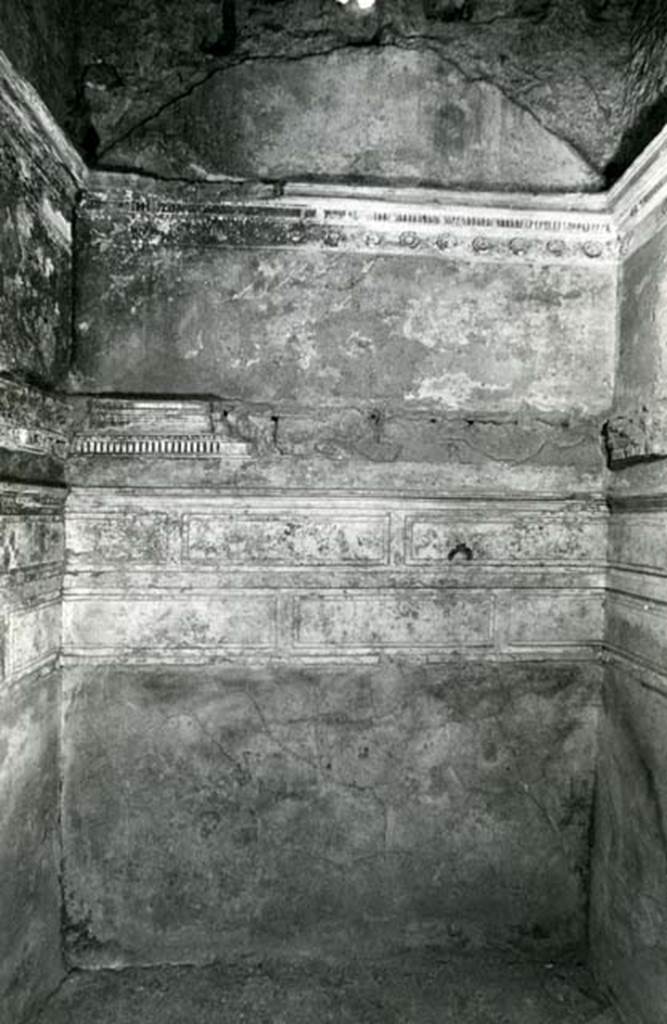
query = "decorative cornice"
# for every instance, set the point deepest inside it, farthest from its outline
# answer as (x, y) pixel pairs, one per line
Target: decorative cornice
(142, 216)
(198, 446)
(188, 428)
(638, 201)
(455, 224)
(122, 416)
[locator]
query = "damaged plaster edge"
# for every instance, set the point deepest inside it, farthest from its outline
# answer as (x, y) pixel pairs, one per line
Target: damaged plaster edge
(26, 106)
(636, 434)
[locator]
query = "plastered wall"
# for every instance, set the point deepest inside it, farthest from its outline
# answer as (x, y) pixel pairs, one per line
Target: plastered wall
(38, 181)
(629, 892)
(295, 722)
(332, 624)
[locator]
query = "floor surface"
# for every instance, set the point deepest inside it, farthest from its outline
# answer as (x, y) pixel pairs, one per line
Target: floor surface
(424, 989)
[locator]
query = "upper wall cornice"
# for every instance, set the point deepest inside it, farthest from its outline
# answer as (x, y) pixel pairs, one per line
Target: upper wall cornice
(585, 227)
(455, 225)
(494, 226)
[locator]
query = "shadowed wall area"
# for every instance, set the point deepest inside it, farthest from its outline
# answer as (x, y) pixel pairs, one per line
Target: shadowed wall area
(39, 175)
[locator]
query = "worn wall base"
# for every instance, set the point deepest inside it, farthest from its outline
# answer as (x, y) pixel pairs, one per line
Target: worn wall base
(212, 811)
(629, 905)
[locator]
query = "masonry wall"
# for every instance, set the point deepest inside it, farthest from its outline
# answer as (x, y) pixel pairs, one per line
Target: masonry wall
(40, 39)
(39, 177)
(629, 894)
(38, 181)
(332, 622)
(318, 117)
(378, 89)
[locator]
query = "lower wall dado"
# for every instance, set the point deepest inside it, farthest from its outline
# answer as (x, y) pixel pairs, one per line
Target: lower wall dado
(212, 812)
(321, 720)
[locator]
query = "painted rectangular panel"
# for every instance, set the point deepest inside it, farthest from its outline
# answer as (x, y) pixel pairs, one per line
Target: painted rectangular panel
(286, 538)
(552, 619)
(34, 637)
(536, 538)
(640, 378)
(30, 540)
(402, 619)
(115, 536)
(639, 540)
(638, 627)
(154, 624)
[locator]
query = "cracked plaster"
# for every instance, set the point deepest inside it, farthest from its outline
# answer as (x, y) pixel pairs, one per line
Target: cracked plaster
(563, 62)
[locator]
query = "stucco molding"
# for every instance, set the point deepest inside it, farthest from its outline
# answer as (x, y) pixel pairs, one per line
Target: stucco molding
(199, 446)
(142, 217)
(169, 428)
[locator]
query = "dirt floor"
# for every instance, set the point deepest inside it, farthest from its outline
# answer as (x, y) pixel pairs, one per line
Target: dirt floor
(428, 988)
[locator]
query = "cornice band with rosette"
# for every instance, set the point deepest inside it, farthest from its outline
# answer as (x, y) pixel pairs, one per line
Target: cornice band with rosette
(144, 215)
(493, 226)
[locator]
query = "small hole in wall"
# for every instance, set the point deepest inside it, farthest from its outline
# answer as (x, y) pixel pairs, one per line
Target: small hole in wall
(460, 553)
